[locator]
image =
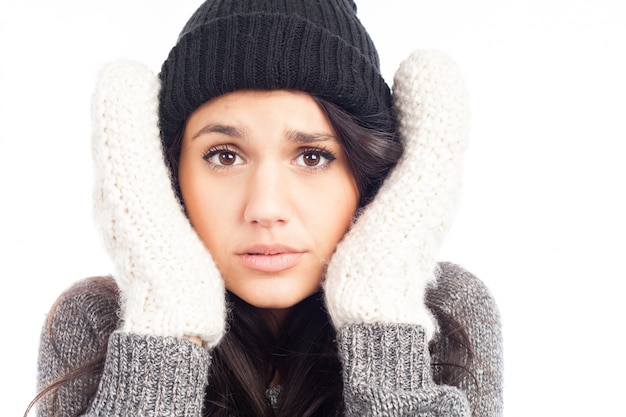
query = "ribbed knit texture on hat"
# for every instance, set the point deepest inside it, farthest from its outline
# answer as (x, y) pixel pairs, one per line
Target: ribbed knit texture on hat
(316, 46)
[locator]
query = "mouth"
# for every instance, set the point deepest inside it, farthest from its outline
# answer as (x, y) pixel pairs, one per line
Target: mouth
(270, 258)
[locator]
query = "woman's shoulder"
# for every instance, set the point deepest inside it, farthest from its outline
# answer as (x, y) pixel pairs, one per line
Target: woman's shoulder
(460, 293)
(85, 313)
(74, 336)
(94, 299)
(469, 305)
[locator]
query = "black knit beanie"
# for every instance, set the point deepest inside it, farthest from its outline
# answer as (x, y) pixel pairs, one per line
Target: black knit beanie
(316, 46)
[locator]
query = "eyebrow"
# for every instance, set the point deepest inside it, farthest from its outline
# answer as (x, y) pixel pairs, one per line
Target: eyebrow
(295, 136)
(217, 128)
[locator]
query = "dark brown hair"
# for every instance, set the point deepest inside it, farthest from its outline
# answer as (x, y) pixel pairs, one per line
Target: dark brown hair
(249, 355)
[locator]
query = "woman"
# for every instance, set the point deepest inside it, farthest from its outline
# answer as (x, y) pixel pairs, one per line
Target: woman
(282, 260)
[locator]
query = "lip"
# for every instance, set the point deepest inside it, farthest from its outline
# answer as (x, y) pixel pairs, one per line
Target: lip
(270, 258)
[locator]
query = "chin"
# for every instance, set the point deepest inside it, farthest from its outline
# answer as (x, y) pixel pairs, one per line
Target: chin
(274, 297)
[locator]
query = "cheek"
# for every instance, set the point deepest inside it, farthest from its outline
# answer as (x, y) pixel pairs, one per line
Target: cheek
(213, 220)
(199, 211)
(198, 195)
(334, 211)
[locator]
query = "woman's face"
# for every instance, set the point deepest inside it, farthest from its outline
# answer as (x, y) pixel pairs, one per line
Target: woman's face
(268, 189)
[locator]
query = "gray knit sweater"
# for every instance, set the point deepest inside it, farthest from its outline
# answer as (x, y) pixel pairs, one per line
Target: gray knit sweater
(386, 367)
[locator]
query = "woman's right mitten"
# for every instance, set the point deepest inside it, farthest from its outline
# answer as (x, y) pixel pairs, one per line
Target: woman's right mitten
(169, 283)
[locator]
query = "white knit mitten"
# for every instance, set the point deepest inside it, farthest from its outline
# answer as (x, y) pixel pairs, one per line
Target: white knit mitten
(382, 267)
(169, 283)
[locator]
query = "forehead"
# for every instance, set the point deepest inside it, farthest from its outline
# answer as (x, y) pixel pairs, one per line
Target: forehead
(274, 112)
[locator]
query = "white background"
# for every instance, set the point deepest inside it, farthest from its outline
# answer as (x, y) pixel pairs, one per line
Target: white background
(542, 217)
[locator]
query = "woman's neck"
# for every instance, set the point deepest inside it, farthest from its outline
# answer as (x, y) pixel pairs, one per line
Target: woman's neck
(275, 318)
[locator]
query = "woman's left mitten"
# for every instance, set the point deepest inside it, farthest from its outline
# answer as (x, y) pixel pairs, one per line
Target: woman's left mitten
(381, 269)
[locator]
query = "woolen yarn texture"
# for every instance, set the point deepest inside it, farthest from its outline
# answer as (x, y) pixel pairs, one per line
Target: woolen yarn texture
(319, 47)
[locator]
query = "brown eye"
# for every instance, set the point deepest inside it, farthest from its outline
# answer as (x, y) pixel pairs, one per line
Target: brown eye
(221, 157)
(227, 158)
(311, 159)
(315, 158)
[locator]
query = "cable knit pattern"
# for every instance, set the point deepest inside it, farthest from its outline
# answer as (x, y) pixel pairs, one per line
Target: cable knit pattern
(380, 270)
(169, 283)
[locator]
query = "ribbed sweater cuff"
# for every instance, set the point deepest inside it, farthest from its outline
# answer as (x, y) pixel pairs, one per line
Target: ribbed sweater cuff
(387, 373)
(387, 356)
(147, 375)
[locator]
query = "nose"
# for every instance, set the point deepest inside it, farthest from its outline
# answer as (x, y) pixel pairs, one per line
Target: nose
(267, 200)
